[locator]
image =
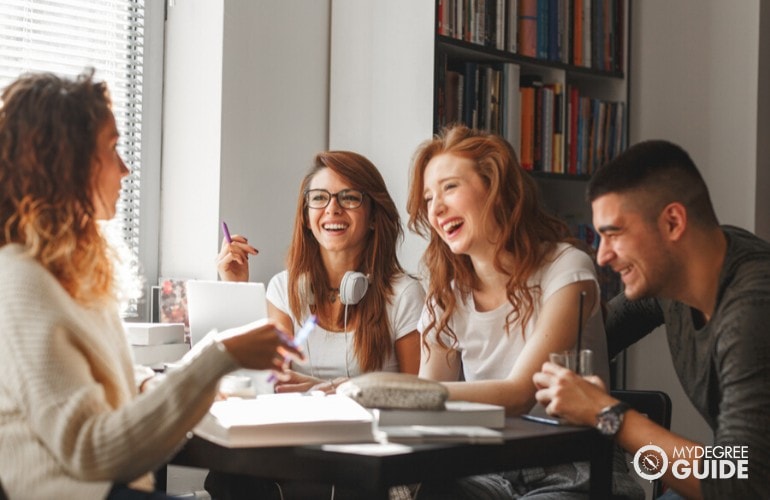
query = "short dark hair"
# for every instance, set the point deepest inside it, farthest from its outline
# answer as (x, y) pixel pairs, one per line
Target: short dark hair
(658, 172)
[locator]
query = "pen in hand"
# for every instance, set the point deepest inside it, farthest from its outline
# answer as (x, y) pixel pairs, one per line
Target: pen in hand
(304, 332)
(227, 232)
(300, 337)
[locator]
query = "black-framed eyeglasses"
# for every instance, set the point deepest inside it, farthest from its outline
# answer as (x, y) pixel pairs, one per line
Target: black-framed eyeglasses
(347, 198)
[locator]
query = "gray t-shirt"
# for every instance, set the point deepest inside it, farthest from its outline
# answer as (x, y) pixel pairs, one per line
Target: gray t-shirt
(723, 365)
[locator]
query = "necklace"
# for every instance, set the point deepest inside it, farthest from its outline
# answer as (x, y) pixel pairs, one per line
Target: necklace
(333, 293)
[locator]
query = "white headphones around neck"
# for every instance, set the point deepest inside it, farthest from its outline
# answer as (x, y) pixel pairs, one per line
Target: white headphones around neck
(353, 287)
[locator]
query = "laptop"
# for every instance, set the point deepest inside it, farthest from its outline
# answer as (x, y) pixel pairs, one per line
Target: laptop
(222, 304)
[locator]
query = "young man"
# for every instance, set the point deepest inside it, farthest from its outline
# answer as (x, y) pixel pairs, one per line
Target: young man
(710, 286)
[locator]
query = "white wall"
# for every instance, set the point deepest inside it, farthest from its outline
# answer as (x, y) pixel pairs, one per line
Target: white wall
(695, 81)
(381, 95)
(192, 110)
(246, 108)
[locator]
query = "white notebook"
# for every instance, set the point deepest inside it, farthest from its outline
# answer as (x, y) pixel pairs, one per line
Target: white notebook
(221, 305)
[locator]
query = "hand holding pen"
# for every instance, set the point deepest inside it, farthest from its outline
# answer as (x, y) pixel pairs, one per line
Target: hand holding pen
(233, 258)
(260, 345)
(298, 340)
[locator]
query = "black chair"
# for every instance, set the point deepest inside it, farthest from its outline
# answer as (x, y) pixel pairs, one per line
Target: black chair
(3, 496)
(655, 405)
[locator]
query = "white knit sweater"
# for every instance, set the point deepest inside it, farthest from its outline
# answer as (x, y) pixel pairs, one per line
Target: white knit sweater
(71, 422)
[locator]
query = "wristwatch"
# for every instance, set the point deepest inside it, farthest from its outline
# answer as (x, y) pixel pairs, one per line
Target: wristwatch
(608, 420)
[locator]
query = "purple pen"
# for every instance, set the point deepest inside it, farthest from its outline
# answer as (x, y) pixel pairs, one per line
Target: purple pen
(227, 232)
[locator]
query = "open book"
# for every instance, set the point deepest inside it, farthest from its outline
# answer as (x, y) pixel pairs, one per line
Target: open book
(286, 419)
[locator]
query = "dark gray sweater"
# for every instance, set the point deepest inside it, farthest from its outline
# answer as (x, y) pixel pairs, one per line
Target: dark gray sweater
(724, 365)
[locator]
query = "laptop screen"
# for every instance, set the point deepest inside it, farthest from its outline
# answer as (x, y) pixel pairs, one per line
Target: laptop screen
(221, 305)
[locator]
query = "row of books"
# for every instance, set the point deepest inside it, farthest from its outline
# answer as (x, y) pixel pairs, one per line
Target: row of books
(482, 22)
(482, 96)
(585, 33)
(595, 132)
(553, 129)
(566, 132)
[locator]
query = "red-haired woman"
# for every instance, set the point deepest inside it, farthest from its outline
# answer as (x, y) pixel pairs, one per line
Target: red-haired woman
(504, 289)
(345, 221)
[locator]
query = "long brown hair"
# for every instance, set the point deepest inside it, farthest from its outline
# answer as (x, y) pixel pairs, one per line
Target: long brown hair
(527, 233)
(307, 277)
(48, 130)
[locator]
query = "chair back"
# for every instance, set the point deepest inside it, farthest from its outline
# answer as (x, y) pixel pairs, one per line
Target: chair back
(655, 405)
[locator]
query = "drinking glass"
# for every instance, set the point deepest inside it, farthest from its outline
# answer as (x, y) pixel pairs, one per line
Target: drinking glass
(568, 359)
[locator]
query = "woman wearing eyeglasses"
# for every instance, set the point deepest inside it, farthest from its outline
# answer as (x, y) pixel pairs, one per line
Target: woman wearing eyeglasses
(345, 221)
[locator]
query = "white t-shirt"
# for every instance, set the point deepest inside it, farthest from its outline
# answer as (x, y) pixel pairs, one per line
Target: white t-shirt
(331, 354)
(489, 353)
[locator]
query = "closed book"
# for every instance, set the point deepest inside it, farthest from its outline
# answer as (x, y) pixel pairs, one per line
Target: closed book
(512, 106)
(577, 33)
(155, 356)
(453, 98)
(154, 333)
(286, 420)
(527, 30)
(542, 29)
(527, 100)
(513, 26)
(419, 434)
(457, 413)
(572, 136)
(547, 127)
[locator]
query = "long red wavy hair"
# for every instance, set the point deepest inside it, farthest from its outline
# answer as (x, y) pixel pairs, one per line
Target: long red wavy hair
(528, 234)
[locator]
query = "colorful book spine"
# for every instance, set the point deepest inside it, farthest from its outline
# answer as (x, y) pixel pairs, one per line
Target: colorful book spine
(528, 28)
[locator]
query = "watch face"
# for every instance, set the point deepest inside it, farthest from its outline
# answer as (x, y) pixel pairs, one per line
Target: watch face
(609, 420)
(609, 423)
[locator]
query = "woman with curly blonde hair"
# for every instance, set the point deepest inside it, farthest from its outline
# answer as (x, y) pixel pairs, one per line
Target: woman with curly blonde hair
(72, 424)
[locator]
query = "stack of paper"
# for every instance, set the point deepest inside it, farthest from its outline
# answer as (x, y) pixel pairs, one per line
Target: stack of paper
(286, 419)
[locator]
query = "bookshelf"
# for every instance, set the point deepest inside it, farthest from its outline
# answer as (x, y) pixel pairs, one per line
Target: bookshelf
(549, 76)
(387, 72)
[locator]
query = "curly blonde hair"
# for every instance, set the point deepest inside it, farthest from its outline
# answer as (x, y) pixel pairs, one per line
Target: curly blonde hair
(48, 130)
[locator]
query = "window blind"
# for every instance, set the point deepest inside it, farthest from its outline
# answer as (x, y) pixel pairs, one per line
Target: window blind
(65, 37)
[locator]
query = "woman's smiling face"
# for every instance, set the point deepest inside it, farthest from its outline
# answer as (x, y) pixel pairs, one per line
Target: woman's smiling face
(338, 229)
(455, 196)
